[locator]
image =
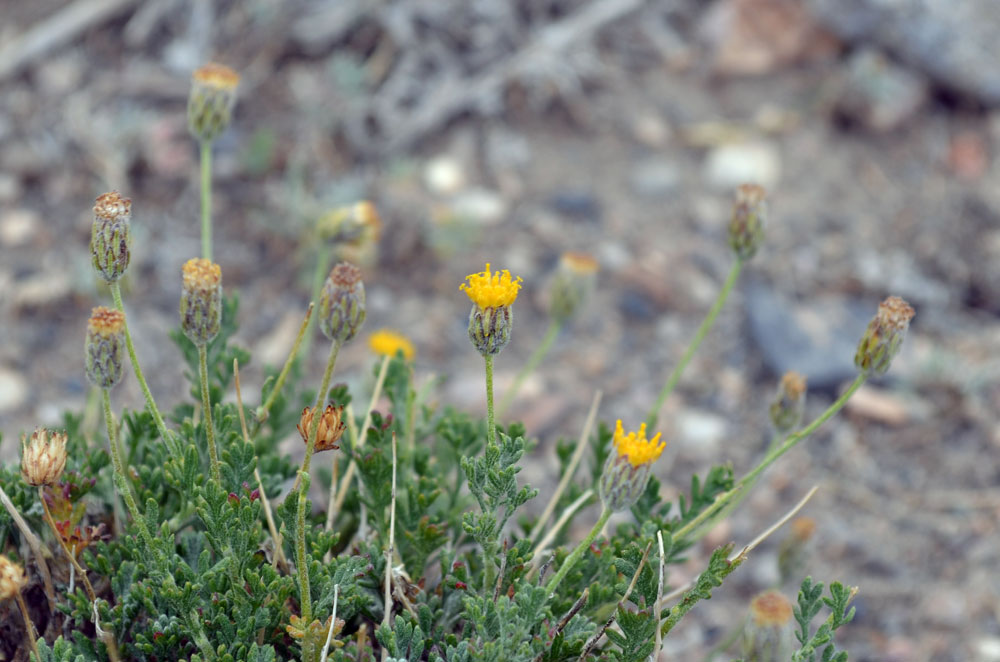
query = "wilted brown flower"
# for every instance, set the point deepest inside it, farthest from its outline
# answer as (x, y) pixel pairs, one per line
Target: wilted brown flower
(43, 457)
(331, 427)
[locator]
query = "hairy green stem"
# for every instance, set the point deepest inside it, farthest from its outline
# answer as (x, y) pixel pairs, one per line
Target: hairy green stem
(206, 199)
(575, 555)
(790, 441)
(302, 570)
(161, 427)
(206, 405)
(491, 429)
(699, 336)
(529, 367)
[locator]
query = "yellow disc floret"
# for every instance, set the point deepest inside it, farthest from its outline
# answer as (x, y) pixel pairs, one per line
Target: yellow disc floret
(491, 290)
(387, 342)
(636, 447)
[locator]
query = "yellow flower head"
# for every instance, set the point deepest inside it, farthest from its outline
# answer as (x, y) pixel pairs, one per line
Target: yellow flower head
(636, 447)
(217, 76)
(491, 290)
(387, 342)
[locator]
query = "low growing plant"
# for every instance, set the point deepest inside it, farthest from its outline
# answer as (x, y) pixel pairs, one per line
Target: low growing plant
(425, 549)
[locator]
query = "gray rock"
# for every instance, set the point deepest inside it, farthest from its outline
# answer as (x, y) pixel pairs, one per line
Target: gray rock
(816, 338)
(952, 41)
(655, 177)
(879, 93)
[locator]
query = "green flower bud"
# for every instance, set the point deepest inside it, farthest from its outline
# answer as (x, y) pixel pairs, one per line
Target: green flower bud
(884, 336)
(342, 304)
(104, 352)
(768, 634)
(571, 285)
(201, 300)
(109, 236)
(746, 227)
(789, 403)
(210, 104)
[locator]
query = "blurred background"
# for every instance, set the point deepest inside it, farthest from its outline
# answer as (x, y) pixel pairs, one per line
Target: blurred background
(510, 131)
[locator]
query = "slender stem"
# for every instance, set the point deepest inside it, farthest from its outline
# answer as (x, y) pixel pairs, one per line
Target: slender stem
(62, 544)
(491, 430)
(206, 199)
(529, 367)
(33, 544)
(302, 569)
(265, 409)
(706, 324)
(387, 610)
(575, 555)
(790, 441)
(352, 468)
(29, 627)
(119, 467)
(554, 530)
(206, 406)
(161, 427)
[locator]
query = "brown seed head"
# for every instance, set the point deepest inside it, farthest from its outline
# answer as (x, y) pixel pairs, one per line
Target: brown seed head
(345, 275)
(104, 350)
(770, 609)
(216, 75)
(342, 307)
(201, 300)
(12, 578)
(112, 206)
(106, 321)
(331, 427)
(43, 457)
(884, 336)
(110, 236)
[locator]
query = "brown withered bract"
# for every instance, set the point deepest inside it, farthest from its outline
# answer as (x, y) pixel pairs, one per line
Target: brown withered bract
(331, 427)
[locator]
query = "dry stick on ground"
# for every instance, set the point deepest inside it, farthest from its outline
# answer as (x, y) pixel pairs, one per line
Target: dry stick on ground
(621, 603)
(34, 545)
(279, 554)
(581, 445)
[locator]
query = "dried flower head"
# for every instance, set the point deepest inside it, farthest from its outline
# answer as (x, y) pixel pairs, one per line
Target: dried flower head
(789, 403)
(746, 226)
(389, 343)
(210, 104)
(342, 307)
(331, 427)
(43, 457)
(767, 635)
(627, 469)
(110, 239)
(571, 285)
(883, 337)
(104, 350)
(491, 318)
(12, 578)
(201, 300)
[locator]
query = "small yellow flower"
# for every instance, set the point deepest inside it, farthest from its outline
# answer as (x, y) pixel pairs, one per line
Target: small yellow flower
(636, 447)
(491, 290)
(387, 343)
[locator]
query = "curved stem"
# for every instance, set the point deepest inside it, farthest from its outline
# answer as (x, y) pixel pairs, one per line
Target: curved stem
(706, 324)
(491, 429)
(790, 441)
(529, 367)
(206, 405)
(301, 562)
(161, 427)
(575, 555)
(62, 543)
(29, 627)
(206, 200)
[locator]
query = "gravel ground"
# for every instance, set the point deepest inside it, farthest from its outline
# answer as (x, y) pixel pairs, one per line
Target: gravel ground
(635, 165)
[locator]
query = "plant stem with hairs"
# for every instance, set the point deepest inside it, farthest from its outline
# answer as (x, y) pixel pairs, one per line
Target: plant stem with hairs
(206, 404)
(578, 551)
(206, 199)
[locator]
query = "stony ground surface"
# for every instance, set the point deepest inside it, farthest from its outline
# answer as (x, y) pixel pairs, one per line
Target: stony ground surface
(882, 182)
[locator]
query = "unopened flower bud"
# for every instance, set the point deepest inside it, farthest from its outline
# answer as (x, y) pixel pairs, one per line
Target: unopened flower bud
(109, 236)
(201, 300)
(884, 335)
(627, 468)
(104, 351)
(331, 427)
(210, 104)
(768, 633)
(793, 552)
(12, 578)
(746, 227)
(571, 285)
(491, 318)
(389, 343)
(342, 306)
(43, 457)
(789, 403)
